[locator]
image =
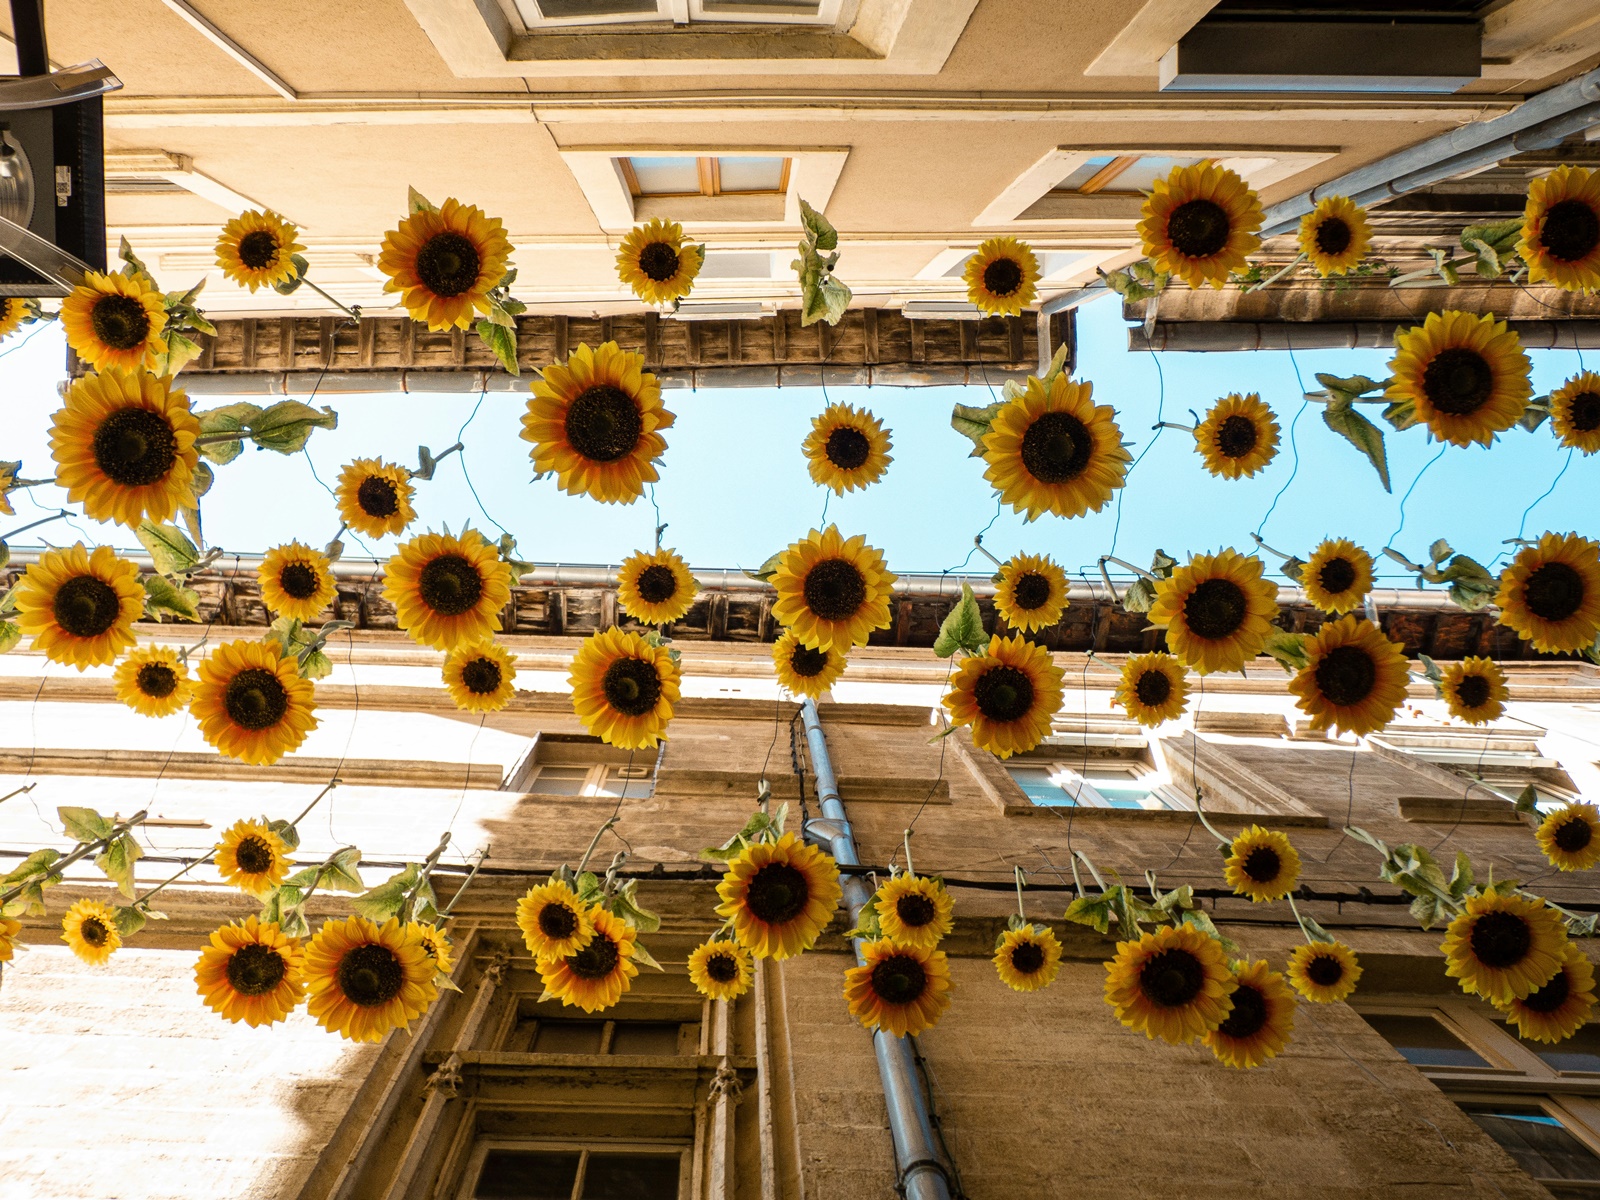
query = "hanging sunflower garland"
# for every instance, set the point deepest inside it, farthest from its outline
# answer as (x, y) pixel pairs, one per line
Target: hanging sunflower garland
(89, 929)
(1550, 593)
(1173, 984)
(1031, 592)
(116, 321)
(252, 703)
(1200, 223)
(1258, 1025)
(1561, 229)
(253, 857)
(1474, 689)
(365, 979)
(898, 989)
(847, 448)
(1001, 277)
(480, 677)
(1354, 679)
(1575, 413)
(803, 671)
(720, 969)
(447, 590)
(1238, 437)
(251, 973)
(1463, 376)
(374, 497)
(555, 924)
(153, 681)
(908, 909)
(1570, 837)
(624, 686)
(1008, 694)
(832, 591)
(595, 977)
(1027, 958)
(1337, 576)
(658, 263)
(296, 582)
(1218, 611)
(1334, 237)
(778, 892)
(258, 249)
(1504, 946)
(1153, 688)
(655, 587)
(1561, 1007)
(1324, 972)
(80, 605)
(1261, 864)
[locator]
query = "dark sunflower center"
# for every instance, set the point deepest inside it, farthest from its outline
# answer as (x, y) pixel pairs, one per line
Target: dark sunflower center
(1153, 688)
(658, 261)
(94, 932)
(156, 680)
(370, 975)
(1002, 277)
(1552, 995)
(450, 585)
(657, 584)
(1336, 575)
(914, 910)
(1198, 228)
(632, 686)
(86, 606)
(557, 922)
(777, 893)
(120, 322)
(1553, 592)
(253, 855)
(298, 580)
(1056, 448)
(1236, 437)
(1031, 591)
(1334, 236)
(899, 979)
(1249, 1013)
(1457, 381)
(258, 248)
(1573, 835)
(596, 960)
(847, 448)
(254, 970)
(1472, 691)
(255, 699)
(806, 662)
(481, 676)
(1571, 230)
(378, 497)
(1346, 675)
(1003, 694)
(835, 590)
(1324, 970)
(1583, 412)
(1171, 978)
(135, 447)
(603, 423)
(1215, 609)
(1500, 939)
(1027, 957)
(1262, 864)
(448, 264)
(722, 968)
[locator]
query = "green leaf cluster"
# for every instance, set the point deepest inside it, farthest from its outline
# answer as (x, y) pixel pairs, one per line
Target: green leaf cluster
(508, 555)
(823, 297)
(408, 895)
(1471, 586)
(1414, 870)
(768, 569)
(498, 330)
(1136, 281)
(1140, 595)
(1289, 649)
(32, 875)
(286, 903)
(761, 827)
(962, 628)
(284, 427)
(305, 646)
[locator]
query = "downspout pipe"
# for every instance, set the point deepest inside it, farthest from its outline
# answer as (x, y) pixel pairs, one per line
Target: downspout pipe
(922, 1173)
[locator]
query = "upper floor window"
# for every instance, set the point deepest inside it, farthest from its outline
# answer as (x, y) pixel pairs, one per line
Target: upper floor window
(576, 765)
(538, 13)
(546, 1170)
(1095, 768)
(1502, 763)
(682, 175)
(1120, 174)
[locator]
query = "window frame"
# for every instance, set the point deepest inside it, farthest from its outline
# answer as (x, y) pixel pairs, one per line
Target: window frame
(482, 1146)
(597, 777)
(710, 171)
(679, 12)
(1089, 796)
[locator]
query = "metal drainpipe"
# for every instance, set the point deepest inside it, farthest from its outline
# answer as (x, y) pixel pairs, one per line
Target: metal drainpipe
(922, 1174)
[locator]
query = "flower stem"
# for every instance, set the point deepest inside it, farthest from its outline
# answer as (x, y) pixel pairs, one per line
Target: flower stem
(1127, 566)
(465, 883)
(1257, 538)
(407, 908)
(1298, 259)
(83, 851)
(19, 791)
(1017, 872)
(42, 520)
(353, 313)
(978, 544)
(1173, 425)
(593, 842)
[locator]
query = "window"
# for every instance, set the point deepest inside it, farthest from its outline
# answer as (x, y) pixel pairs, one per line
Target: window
(682, 175)
(555, 1171)
(599, 780)
(577, 765)
(1095, 768)
(1504, 764)
(1542, 1146)
(537, 1033)
(538, 14)
(1424, 1042)
(1119, 174)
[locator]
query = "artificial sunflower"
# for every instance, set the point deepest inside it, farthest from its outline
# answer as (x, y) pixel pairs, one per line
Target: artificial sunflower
(1570, 837)
(656, 262)
(802, 670)
(1561, 229)
(1561, 1007)
(1032, 592)
(257, 249)
(655, 587)
(1504, 947)
(1008, 694)
(1238, 437)
(1001, 276)
(480, 677)
(898, 989)
(435, 943)
(1027, 959)
(595, 977)
(8, 938)
(555, 924)
(779, 896)
(1465, 376)
(1154, 688)
(374, 497)
(1338, 576)
(847, 448)
(1550, 593)
(253, 857)
(832, 591)
(447, 591)
(1258, 1026)
(720, 970)
(124, 447)
(251, 702)
(79, 605)
(1354, 679)
(914, 910)
(251, 972)
(116, 321)
(1199, 223)
(444, 262)
(12, 310)
(1218, 611)
(366, 980)
(1575, 413)
(1173, 984)
(1475, 689)
(1053, 450)
(623, 688)
(90, 929)
(1335, 235)
(1261, 864)
(296, 581)
(152, 681)
(1324, 972)
(595, 422)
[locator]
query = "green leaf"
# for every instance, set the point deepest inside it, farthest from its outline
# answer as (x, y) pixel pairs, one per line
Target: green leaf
(1139, 596)
(181, 351)
(1528, 799)
(204, 477)
(1162, 565)
(1471, 585)
(36, 864)
(117, 862)
(973, 423)
(1534, 415)
(1488, 261)
(625, 904)
(128, 921)
(126, 254)
(641, 955)
(1095, 911)
(292, 921)
(1349, 387)
(340, 875)
(163, 598)
(1500, 236)
(1292, 568)
(10, 635)
(169, 549)
(384, 901)
(1343, 419)
(766, 570)
(287, 426)
(502, 342)
(1316, 932)
(1289, 649)
(1430, 669)
(84, 824)
(230, 418)
(301, 268)
(819, 231)
(1461, 879)
(1426, 910)
(28, 902)
(286, 831)
(962, 629)
(416, 202)
(1439, 551)
(315, 665)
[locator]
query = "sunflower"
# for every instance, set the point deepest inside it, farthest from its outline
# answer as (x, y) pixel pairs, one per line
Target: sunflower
(1173, 984)
(1475, 689)
(1199, 223)
(447, 591)
(1575, 413)
(1261, 864)
(720, 970)
(1324, 972)
(1338, 575)
(1550, 593)
(8, 938)
(1032, 592)
(595, 422)
(596, 976)
(914, 911)
(1008, 694)
(655, 588)
(1561, 229)
(898, 989)
(1258, 1026)
(116, 321)
(434, 941)
(374, 497)
(124, 447)
(656, 264)
(251, 702)
(1238, 437)
(1335, 235)
(832, 591)
(480, 677)
(90, 929)
(1000, 277)
(1218, 611)
(367, 980)
(1154, 688)
(1354, 679)
(444, 262)
(253, 857)
(12, 310)
(257, 249)
(80, 606)
(846, 449)
(802, 670)
(251, 972)
(1504, 947)
(779, 896)
(1053, 450)
(1028, 959)
(554, 922)
(1570, 837)
(152, 681)
(296, 581)
(623, 688)
(1465, 375)
(1561, 1007)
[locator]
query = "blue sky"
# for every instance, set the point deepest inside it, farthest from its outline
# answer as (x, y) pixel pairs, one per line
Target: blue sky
(734, 486)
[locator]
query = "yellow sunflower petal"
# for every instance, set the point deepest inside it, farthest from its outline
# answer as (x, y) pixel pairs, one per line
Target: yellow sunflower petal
(623, 688)
(1008, 695)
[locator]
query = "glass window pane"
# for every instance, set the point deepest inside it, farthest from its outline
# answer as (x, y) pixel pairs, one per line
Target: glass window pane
(645, 1037)
(528, 1175)
(1086, 171)
(560, 781)
(1142, 176)
(1036, 784)
(556, 10)
(750, 174)
(1120, 791)
(667, 176)
(637, 789)
(631, 1177)
(1542, 1146)
(568, 1037)
(1424, 1042)
(1580, 1052)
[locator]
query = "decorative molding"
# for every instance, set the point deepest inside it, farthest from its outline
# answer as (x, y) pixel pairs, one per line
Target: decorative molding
(1154, 29)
